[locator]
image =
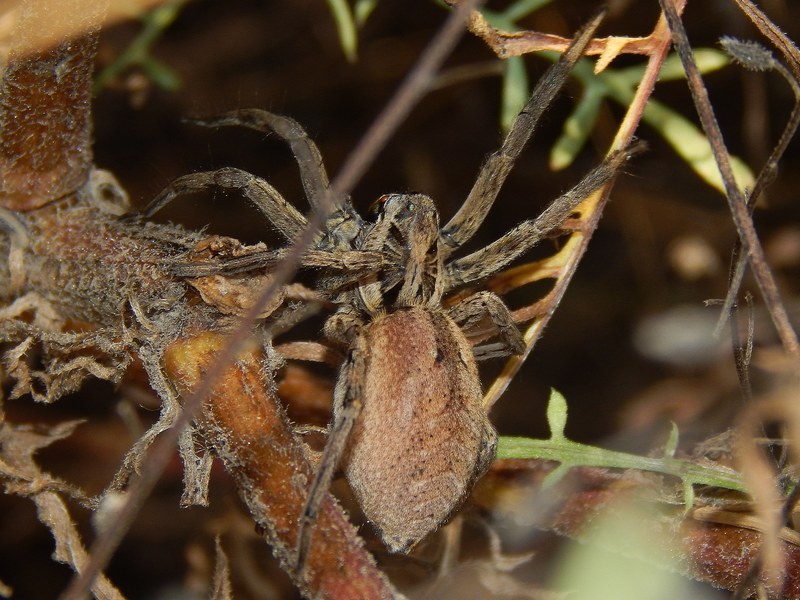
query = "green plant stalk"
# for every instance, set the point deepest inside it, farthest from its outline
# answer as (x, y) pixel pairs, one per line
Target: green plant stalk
(685, 138)
(574, 454)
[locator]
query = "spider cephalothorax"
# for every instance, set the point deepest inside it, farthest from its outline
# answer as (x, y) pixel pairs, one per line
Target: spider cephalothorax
(409, 425)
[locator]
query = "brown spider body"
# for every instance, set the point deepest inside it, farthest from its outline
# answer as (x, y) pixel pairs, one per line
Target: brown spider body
(422, 436)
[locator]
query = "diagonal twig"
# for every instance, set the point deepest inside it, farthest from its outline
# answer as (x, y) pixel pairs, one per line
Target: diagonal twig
(741, 216)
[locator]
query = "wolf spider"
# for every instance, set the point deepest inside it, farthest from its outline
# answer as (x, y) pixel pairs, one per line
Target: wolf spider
(408, 423)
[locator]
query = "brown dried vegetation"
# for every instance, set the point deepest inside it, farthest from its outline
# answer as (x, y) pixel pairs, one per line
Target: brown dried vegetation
(91, 291)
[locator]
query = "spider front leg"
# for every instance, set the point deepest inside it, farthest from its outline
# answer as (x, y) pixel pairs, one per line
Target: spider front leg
(490, 259)
(344, 224)
(494, 171)
(482, 315)
(285, 217)
(308, 157)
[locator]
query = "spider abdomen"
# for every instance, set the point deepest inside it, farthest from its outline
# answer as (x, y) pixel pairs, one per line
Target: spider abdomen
(422, 437)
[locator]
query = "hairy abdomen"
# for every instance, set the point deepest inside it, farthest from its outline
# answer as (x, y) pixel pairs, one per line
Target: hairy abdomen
(422, 437)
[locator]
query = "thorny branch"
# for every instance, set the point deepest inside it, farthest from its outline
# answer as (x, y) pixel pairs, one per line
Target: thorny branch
(44, 104)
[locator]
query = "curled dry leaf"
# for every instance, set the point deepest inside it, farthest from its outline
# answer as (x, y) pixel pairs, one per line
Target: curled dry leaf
(18, 445)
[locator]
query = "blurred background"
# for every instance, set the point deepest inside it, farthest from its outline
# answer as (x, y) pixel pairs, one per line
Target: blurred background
(630, 347)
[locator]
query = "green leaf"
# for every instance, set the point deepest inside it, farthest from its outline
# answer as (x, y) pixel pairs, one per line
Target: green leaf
(556, 415)
(687, 139)
(576, 129)
(522, 8)
(160, 74)
(708, 60)
(693, 147)
(672, 442)
(346, 27)
(154, 23)
(515, 91)
(688, 495)
(362, 10)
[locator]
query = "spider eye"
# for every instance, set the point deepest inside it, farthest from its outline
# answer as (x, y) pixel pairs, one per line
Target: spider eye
(411, 207)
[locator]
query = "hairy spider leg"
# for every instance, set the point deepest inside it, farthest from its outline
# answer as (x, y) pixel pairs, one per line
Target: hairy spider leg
(283, 216)
(307, 155)
(494, 171)
(343, 224)
(347, 397)
(493, 257)
(483, 314)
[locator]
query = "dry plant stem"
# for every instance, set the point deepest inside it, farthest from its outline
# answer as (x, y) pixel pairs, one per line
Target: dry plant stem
(45, 119)
(759, 473)
(570, 255)
(769, 170)
(243, 421)
(69, 550)
(765, 177)
(518, 43)
(410, 91)
(775, 35)
(743, 350)
(741, 216)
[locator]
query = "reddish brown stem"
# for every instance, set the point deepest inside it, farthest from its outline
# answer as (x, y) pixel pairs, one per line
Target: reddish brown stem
(714, 552)
(242, 419)
(45, 96)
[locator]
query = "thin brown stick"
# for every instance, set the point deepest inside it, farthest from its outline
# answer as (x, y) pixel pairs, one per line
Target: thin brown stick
(790, 52)
(506, 44)
(765, 178)
(736, 202)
